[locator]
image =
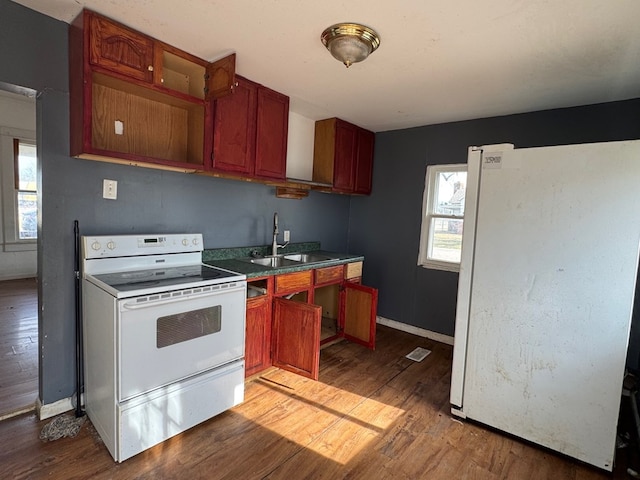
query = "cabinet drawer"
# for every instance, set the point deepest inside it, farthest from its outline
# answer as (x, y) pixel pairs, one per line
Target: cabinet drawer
(353, 270)
(328, 275)
(292, 282)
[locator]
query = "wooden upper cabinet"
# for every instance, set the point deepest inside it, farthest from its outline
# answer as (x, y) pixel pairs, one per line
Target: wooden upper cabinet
(364, 162)
(343, 156)
(250, 131)
(234, 127)
(120, 49)
(221, 77)
(272, 120)
(137, 100)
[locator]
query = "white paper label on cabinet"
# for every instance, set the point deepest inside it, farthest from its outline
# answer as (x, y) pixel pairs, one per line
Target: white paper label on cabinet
(119, 127)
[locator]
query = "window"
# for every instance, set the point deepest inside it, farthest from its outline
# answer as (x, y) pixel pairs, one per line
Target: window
(25, 169)
(443, 217)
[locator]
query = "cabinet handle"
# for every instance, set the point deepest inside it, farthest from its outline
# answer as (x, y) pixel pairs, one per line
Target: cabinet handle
(150, 68)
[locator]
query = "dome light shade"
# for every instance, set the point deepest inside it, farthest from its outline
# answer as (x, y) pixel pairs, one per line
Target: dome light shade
(350, 42)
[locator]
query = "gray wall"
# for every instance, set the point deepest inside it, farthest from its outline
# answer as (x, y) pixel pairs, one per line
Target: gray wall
(33, 54)
(385, 227)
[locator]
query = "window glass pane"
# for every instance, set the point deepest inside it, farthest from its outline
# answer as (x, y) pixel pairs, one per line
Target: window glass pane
(27, 215)
(450, 188)
(27, 167)
(446, 242)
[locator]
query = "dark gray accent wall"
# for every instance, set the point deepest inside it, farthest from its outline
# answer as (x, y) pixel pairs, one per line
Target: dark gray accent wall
(33, 55)
(385, 227)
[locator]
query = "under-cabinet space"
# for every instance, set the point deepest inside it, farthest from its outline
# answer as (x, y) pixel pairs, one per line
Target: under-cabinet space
(328, 298)
(130, 120)
(257, 288)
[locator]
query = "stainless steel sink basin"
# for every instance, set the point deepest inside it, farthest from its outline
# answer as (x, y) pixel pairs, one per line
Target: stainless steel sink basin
(276, 261)
(306, 257)
(271, 261)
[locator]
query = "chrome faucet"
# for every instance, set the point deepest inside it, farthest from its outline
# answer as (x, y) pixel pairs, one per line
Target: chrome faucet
(275, 246)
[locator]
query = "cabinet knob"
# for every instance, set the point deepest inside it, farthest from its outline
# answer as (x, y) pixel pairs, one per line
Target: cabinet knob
(150, 68)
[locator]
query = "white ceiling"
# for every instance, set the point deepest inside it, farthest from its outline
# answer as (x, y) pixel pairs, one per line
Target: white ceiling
(439, 60)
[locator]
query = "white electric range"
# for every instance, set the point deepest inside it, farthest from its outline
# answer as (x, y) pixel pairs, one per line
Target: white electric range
(163, 338)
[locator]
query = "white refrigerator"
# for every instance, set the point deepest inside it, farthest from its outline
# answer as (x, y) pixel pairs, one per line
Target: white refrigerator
(546, 290)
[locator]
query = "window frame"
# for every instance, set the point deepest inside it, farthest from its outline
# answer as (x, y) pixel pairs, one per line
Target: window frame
(17, 190)
(11, 241)
(428, 205)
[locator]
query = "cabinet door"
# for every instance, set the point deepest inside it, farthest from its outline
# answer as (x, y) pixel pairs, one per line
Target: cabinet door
(358, 306)
(257, 355)
(221, 77)
(119, 49)
(234, 129)
(272, 122)
(364, 162)
(345, 154)
(296, 337)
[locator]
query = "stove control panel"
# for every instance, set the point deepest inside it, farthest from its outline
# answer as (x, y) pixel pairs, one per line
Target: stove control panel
(135, 245)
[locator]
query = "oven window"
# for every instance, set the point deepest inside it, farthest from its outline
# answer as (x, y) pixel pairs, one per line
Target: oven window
(182, 327)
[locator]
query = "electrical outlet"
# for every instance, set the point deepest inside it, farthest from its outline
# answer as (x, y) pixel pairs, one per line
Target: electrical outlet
(287, 235)
(109, 189)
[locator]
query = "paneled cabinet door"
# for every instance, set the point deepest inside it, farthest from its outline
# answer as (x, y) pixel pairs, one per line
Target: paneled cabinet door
(257, 355)
(119, 49)
(364, 162)
(272, 121)
(235, 129)
(345, 155)
(296, 337)
(358, 307)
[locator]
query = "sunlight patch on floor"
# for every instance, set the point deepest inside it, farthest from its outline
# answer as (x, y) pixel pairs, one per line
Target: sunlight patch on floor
(338, 423)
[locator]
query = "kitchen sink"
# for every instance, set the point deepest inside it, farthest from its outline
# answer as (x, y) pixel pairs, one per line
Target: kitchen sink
(271, 261)
(291, 259)
(306, 257)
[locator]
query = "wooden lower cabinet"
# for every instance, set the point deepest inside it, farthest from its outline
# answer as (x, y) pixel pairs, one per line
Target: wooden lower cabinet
(257, 355)
(309, 308)
(358, 307)
(296, 337)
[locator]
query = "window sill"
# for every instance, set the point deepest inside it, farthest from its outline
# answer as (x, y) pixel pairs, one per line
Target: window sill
(21, 246)
(445, 266)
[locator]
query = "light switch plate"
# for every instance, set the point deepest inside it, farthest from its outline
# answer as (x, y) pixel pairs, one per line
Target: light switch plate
(109, 189)
(287, 235)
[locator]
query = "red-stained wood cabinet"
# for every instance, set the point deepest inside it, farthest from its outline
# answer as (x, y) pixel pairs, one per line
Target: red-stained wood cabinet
(137, 100)
(250, 132)
(257, 355)
(343, 156)
(327, 307)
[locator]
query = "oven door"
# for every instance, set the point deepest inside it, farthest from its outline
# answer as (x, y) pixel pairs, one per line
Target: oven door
(167, 337)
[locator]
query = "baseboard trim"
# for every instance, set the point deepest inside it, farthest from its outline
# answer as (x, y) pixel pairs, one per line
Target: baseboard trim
(18, 411)
(421, 332)
(52, 409)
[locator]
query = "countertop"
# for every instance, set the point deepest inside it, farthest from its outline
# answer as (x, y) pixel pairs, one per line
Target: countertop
(229, 259)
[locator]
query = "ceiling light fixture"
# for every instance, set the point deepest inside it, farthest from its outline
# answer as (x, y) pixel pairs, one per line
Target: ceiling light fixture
(350, 42)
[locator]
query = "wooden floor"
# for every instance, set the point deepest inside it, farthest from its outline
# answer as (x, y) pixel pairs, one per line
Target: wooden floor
(18, 345)
(372, 415)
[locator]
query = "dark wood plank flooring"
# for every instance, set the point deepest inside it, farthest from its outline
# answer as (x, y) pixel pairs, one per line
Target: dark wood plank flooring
(372, 415)
(18, 345)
